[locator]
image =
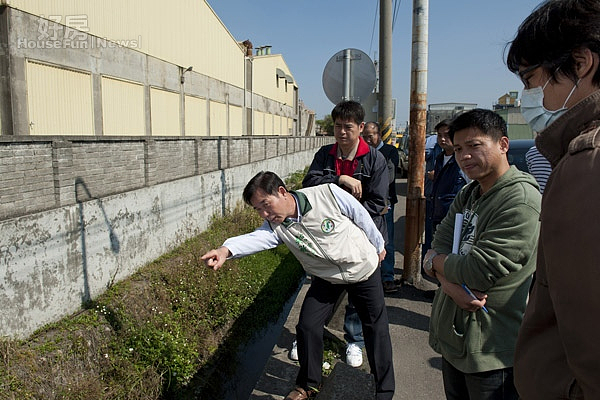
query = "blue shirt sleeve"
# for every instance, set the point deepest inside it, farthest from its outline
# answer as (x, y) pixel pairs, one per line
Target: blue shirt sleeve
(263, 238)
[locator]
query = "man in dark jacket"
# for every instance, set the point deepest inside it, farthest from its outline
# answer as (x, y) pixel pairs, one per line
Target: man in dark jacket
(352, 164)
(448, 179)
(432, 150)
(372, 136)
(362, 171)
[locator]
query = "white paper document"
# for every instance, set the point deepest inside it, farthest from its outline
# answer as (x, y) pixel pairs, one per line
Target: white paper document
(458, 221)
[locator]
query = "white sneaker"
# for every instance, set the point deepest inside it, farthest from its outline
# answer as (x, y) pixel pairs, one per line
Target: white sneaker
(354, 356)
(294, 351)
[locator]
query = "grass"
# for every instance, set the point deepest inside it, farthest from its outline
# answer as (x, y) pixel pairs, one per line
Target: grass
(161, 333)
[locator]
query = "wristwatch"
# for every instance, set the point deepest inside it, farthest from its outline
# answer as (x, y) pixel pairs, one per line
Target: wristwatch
(428, 262)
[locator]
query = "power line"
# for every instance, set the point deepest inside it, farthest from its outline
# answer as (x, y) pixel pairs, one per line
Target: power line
(397, 4)
(396, 9)
(374, 24)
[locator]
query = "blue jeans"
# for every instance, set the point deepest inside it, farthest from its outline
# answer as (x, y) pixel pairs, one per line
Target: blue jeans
(353, 332)
(387, 265)
(490, 385)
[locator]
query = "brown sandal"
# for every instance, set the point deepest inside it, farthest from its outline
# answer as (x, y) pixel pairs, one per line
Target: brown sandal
(299, 394)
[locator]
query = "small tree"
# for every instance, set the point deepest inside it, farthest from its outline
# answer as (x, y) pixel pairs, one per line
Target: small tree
(326, 125)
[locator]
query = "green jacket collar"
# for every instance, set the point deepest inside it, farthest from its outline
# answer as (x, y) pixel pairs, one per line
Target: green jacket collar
(302, 204)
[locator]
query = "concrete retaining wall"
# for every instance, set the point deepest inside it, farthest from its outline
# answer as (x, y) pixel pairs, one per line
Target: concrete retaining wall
(89, 213)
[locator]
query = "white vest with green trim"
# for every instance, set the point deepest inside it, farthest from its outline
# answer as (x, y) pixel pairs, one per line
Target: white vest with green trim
(327, 243)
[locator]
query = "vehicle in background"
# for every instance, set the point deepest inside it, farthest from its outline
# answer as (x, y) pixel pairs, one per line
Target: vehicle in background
(402, 171)
(516, 153)
(402, 146)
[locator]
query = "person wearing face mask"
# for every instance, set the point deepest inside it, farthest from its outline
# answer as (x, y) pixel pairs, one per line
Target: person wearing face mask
(532, 105)
(556, 53)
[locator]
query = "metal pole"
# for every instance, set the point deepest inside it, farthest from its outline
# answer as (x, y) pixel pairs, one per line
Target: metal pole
(415, 200)
(386, 112)
(347, 74)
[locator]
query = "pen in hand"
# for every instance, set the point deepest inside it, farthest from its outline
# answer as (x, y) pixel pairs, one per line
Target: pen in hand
(472, 295)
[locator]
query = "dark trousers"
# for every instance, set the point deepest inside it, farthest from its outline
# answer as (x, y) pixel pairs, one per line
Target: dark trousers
(369, 301)
(490, 385)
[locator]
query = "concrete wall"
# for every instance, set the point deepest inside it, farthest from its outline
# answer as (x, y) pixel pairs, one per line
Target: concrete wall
(88, 213)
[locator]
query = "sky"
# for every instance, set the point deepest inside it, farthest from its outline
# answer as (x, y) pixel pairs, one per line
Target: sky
(466, 44)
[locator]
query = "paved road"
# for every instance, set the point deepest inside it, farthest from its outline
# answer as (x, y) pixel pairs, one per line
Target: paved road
(417, 367)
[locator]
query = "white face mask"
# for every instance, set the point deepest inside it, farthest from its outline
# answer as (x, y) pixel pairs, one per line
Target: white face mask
(533, 110)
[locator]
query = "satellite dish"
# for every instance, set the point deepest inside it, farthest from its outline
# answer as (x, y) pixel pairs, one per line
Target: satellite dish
(349, 75)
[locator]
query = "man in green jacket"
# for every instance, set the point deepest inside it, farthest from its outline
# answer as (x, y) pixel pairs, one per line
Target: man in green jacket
(485, 268)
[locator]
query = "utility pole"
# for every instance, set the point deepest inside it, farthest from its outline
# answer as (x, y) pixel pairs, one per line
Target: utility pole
(385, 111)
(415, 199)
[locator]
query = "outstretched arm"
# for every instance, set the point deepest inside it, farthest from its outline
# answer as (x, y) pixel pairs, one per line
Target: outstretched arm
(261, 239)
(215, 258)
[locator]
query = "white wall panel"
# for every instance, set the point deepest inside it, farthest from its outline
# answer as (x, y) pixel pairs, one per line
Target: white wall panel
(277, 128)
(236, 126)
(218, 119)
(195, 116)
(59, 101)
(259, 123)
(164, 111)
(122, 107)
(268, 124)
(183, 32)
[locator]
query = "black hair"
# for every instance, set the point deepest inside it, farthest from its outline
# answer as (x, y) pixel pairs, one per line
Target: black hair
(266, 181)
(487, 121)
(550, 34)
(443, 123)
(348, 110)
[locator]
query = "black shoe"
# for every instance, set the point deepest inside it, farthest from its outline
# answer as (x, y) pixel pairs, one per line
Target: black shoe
(390, 287)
